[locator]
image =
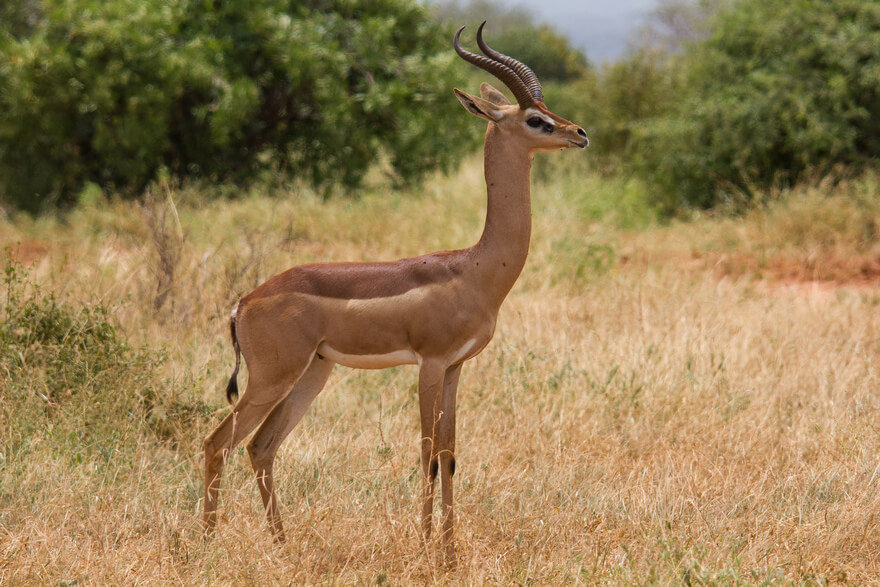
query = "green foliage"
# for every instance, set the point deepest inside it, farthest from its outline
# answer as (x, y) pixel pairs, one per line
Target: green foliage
(68, 378)
(778, 92)
(615, 102)
(114, 91)
(18, 17)
(68, 348)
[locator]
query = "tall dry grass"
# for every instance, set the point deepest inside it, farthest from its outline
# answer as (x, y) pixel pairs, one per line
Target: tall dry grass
(641, 417)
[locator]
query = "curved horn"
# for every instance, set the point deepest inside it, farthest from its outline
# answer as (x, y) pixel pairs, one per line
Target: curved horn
(504, 73)
(522, 70)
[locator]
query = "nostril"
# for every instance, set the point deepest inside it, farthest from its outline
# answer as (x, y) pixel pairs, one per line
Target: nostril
(582, 133)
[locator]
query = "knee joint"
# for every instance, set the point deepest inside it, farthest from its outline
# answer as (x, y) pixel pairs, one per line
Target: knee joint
(212, 453)
(260, 458)
(252, 449)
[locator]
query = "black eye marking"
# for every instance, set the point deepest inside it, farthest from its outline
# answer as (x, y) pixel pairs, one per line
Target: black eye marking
(538, 122)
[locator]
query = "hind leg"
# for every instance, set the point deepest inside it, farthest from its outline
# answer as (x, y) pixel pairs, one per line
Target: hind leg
(265, 389)
(278, 425)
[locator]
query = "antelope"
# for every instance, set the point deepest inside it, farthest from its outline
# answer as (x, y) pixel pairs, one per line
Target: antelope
(435, 311)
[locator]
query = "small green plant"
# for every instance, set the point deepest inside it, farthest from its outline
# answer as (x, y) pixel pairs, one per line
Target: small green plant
(68, 375)
(67, 348)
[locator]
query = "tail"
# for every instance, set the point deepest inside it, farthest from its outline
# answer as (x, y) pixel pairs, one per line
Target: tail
(232, 386)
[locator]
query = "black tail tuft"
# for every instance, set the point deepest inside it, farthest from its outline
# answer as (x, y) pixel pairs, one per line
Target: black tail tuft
(232, 386)
(232, 389)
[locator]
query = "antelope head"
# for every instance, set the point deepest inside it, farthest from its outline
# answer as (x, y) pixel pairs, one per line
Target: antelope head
(529, 119)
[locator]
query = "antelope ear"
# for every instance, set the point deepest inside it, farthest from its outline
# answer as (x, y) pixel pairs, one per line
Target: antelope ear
(479, 106)
(493, 95)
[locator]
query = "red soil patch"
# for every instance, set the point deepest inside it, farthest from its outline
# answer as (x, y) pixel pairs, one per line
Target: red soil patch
(830, 269)
(29, 250)
(825, 272)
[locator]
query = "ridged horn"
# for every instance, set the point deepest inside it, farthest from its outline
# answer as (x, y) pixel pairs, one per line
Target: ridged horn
(504, 73)
(522, 70)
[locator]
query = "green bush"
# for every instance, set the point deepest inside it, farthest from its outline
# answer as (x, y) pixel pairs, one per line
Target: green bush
(18, 18)
(114, 91)
(614, 102)
(70, 381)
(777, 92)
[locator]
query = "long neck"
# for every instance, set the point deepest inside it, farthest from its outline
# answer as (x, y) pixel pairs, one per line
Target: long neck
(504, 245)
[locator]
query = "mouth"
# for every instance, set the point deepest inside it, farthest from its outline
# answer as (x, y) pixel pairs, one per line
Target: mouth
(581, 145)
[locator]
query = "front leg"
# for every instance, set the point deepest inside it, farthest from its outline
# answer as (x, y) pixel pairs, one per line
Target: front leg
(437, 391)
(431, 375)
(446, 454)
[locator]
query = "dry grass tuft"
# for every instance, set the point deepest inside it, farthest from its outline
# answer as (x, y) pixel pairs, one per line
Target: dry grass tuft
(633, 422)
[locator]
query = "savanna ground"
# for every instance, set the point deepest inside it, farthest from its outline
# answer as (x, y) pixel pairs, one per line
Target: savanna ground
(691, 402)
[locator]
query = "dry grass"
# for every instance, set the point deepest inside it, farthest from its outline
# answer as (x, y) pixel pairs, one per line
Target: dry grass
(632, 422)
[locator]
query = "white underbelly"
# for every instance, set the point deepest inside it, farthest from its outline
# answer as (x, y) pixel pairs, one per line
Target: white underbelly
(382, 361)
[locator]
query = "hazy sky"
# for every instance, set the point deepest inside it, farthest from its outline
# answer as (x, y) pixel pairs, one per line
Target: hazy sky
(600, 27)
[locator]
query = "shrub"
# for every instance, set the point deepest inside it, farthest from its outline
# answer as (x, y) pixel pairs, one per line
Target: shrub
(615, 101)
(776, 92)
(113, 91)
(70, 381)
(18, 18)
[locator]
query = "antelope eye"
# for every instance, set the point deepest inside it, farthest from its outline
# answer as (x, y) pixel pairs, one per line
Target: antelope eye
(534, 122)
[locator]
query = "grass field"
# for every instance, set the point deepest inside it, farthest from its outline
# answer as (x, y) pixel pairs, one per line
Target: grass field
(693, 402)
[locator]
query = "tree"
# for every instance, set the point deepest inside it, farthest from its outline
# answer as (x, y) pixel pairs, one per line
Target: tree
(674, 24)
(778, 91)
(19, 17)
(113, 91)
